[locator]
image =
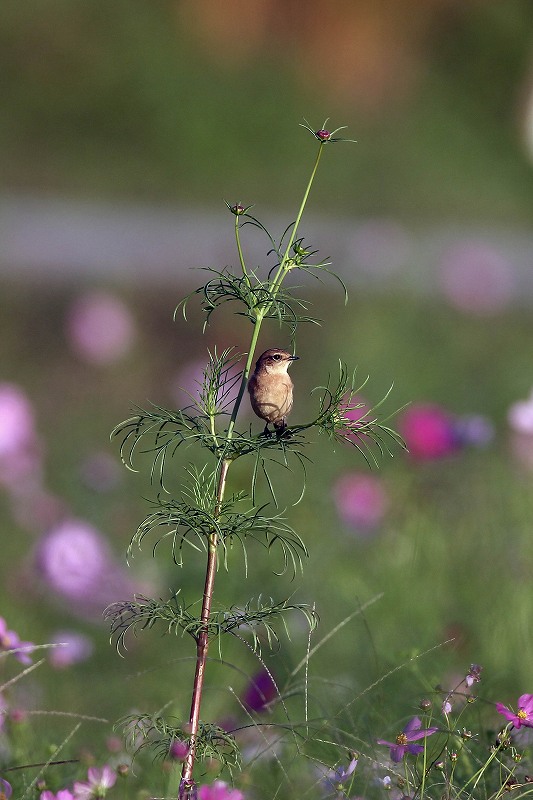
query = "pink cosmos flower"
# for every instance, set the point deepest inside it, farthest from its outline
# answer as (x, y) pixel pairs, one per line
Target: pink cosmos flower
(75, 561)
(62, 794)
(17, 426)
(361, 501)
(99, 781)
(404, 741)
(20, 456)
(219, 791)
(5, 789)
(428, 431)
(473, 675)
(10, 641)
(71, 648)
(476, 278)
(520, 416)
(100, 328)
(72, 558)
(524, 715)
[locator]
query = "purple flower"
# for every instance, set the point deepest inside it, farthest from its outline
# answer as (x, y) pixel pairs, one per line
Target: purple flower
(62, 794)
(5, 789)
(335, 778)
(219, 791)
(361, 501)
(261, 690)
(71, 648)
(10, 641)
(474, 430)
(403, 744)
(100, 328)
(524, 715)
(99, 781)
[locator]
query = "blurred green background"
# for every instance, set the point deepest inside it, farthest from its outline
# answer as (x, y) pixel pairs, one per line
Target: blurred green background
(180, 105)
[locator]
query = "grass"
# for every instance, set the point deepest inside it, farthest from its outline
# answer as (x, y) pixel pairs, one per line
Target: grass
(448, 572)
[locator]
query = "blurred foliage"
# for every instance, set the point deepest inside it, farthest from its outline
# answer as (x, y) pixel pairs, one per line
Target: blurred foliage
(129, 99)
(453, 555)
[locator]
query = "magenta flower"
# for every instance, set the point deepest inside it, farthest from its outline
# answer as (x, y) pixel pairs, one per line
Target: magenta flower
(5, 789)
(179, 750)
(429, 432)
(404, 741)
(62, 794)
(99, 781)
(100, 328)
(361, 501)
(10, 641)
(524, 715)
(219, 791)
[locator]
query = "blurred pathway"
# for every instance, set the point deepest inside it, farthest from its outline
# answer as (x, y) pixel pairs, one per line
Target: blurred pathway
(61, 240)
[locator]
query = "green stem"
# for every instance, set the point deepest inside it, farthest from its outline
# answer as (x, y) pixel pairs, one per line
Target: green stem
(239, 250)
(283, 268)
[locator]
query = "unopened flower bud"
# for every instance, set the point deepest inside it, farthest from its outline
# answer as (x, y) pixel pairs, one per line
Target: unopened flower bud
(123, 770)
(425, 704)
(237, 209)
(323, 135)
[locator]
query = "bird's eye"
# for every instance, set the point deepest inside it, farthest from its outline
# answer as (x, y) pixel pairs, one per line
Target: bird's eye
(277, 357)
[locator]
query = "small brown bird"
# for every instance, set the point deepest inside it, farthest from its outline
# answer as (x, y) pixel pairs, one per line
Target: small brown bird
(270, 388)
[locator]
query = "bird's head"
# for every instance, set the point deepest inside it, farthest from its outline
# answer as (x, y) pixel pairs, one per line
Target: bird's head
(275, 361)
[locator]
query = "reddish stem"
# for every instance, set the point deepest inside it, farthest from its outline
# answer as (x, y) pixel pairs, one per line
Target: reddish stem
(202, 642)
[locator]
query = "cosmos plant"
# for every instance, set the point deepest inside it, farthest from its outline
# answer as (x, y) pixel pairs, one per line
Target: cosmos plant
(207, 519)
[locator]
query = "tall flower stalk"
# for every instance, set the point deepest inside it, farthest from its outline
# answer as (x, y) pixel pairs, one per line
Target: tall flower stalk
(205, 513)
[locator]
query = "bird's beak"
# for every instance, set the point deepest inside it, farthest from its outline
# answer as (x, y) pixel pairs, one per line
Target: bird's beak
(294, 358)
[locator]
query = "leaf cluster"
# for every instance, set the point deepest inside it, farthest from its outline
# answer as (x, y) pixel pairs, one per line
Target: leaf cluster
(180, 523)
(132, 616)
(158, 734)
